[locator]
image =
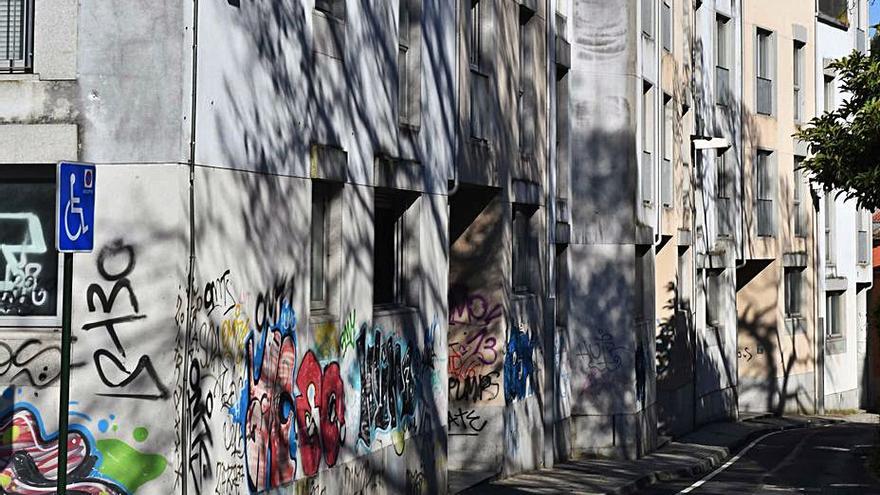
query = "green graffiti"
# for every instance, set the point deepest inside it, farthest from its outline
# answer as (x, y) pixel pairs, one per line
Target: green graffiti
(128, 465)
(140, 433)
(347, 338)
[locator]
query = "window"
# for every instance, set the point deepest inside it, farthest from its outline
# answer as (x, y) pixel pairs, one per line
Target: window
(390, 243)
(479, 79)
(319, 243)
(666, 27)
(667, 173)
(16, 35)
(723, 182)
(648, 18)
(648, 129)
(527, 103)
(828, 89)
(836, 11)
(764, 192)
(834, 314)
(765, 69)
(829, 228)
(409, 62)
(798, 206)
(798, 80)
(722, 59)
(335, 8)
(863, 238)
(475, 42)
(793, 292)
(715, 301)
(524, 248)
(29, 287)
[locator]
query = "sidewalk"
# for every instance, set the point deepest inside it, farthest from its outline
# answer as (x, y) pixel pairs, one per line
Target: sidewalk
(696, 453)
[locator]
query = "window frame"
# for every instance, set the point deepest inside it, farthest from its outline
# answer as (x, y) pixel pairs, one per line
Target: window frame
(25, 64)
(522, 281)
(793, 300)
(667, 18)
(409, 64)
(798, 201)
(765, 69)
(43, 173)
(798, 72)
(402, 206)
(835, 326)
(321, 192)
(765, 191)
(830, 224)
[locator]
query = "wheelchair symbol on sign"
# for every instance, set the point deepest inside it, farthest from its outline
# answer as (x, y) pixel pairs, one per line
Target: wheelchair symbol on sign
(73, 208)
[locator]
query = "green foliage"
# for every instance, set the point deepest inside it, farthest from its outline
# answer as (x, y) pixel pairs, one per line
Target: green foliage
(845, 143)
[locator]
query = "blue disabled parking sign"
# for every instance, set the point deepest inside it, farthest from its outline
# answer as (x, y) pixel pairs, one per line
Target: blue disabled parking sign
(75, 228)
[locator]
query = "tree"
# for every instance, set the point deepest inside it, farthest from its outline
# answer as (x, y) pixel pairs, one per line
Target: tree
(845, 142)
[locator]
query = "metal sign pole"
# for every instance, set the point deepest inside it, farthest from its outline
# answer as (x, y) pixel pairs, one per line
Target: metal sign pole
(64, 401)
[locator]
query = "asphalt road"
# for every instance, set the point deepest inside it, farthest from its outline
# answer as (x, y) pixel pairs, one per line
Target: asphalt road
(823, 460)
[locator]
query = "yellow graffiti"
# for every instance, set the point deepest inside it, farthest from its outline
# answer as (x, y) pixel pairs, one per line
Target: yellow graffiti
(233, 332)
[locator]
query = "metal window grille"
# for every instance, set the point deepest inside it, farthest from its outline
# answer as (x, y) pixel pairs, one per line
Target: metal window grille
(800, 219)
(765, 96)
(16, 35)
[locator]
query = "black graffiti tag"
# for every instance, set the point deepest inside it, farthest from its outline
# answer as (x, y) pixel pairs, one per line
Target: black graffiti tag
(106, 359)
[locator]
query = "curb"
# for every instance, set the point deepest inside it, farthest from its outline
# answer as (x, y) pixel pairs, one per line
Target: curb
(704, 467)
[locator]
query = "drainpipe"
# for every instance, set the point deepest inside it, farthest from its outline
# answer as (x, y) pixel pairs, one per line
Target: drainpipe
(456, 138)
(190, 279)
(551, 394)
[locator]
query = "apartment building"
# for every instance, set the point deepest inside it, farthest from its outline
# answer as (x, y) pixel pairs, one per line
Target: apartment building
(843, 230)
(575, 226)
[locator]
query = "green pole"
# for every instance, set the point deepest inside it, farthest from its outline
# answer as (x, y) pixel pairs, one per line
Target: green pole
(64, 401)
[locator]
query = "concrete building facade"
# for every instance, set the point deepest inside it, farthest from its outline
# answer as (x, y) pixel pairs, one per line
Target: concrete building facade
(321, 224)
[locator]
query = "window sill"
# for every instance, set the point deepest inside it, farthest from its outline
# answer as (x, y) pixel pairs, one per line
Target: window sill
(831, 21)
(318, 316)
(408, 128)
(329, 16)
(393, 309)
(19, 76)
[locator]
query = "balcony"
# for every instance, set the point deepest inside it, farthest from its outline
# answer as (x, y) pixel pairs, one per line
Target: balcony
(765, 217)
(764, 104)
(722, 86)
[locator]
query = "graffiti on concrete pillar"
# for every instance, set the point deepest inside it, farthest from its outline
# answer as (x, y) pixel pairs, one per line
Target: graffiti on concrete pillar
(518, 364)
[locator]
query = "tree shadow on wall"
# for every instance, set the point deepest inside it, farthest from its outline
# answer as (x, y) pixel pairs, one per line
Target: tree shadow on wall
(288, 94)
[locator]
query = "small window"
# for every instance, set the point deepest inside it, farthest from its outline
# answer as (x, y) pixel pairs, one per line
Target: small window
(409, 62)
(723, 183)
(666, 26)
(16, 35)
(648, 129)
(722, 59)
(793, 292)
(764, 192)
(29, 287)
(475, 38)
(667, 173)
(834, 314)
(319, 247)
(390, 240)
(715, 300)
(836, 11)
(828, 91)
(335, 8)
(829, 228)
(765, 69)
(524, 248)
(799, 206)
(648, 18)
(863, 238)
(798, 80)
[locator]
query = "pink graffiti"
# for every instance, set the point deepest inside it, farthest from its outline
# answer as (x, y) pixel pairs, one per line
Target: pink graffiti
(320, 405)
(30, 461)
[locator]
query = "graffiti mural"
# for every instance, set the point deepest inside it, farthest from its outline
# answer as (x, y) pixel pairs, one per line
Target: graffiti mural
(104, 467)
(389, 369)
(475, 349)
(320, 412)
(518, 364)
